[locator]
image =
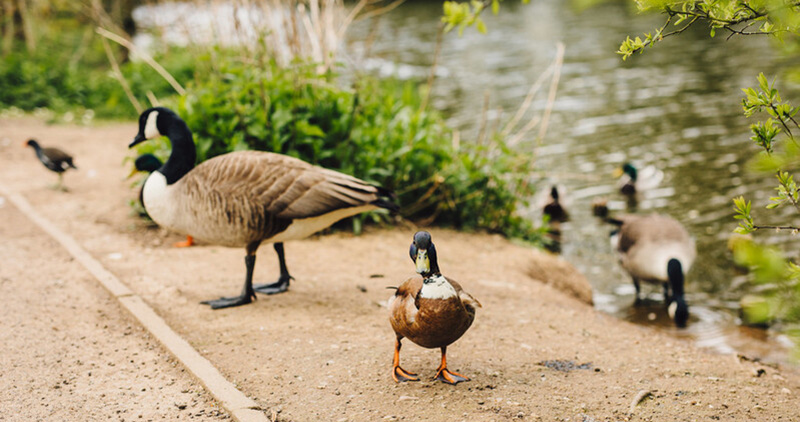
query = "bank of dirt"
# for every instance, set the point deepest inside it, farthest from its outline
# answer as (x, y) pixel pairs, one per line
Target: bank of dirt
(323, 350)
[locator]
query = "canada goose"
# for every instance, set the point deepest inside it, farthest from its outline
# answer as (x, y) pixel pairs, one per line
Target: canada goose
(150, 163)
(432, 311)
(656, 249)
(54, 159)
(632, 180)
(244, 198)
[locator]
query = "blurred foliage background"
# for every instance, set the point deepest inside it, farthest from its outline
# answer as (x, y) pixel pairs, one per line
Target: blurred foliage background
(278, 88)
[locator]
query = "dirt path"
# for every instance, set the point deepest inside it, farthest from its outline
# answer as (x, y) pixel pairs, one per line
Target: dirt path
(69, 352)
(323, 350)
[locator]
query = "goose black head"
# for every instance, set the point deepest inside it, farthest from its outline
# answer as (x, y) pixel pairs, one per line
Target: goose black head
(147, 162)
(678, 309)
(32, 143)
(423, 253)
(153, 123)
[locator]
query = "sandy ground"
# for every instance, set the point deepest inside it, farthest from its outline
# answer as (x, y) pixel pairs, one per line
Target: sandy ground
(323, 350)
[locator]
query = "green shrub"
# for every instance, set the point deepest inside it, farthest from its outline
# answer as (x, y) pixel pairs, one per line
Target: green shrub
(59, 77)
(376, 132)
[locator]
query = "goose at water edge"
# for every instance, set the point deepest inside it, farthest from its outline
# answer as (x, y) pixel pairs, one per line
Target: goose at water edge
(245, 198)
(54, 159)
(149, 163)
(432, 311)
(656, 249)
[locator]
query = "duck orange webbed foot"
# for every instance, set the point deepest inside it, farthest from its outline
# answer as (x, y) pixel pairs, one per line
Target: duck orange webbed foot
(401, 375)
(448, 377)
(185, 244)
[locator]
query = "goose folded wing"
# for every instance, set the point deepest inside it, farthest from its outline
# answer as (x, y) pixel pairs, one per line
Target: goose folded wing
(314, 191)
(283, 186)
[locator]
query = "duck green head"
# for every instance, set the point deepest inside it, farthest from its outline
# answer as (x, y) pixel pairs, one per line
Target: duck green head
(630, 170)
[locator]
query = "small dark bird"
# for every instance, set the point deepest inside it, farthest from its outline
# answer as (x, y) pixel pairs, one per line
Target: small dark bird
(54, 159)
(150, 163)
(554, 209)
(432, 311)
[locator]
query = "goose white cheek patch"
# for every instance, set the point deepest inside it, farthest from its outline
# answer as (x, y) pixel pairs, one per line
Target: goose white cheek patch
(150, 128)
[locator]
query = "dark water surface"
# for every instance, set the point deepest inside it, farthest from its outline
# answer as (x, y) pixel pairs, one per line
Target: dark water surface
(677, 107)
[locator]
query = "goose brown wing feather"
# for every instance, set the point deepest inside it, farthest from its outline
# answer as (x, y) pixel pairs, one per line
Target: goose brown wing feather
(650, 229)
(281, 186)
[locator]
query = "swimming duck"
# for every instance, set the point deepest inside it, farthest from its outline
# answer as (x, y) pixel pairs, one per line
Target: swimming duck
(432, 311)
(150, 163)
(631, 180)
(54, 159)
(656, 249)
(554, 208)
(245, 198)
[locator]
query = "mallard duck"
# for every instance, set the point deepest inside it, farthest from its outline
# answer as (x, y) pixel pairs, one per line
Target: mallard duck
(245, 198)
(54, 159)
(432, 311)
(631, 180)
(554, 208)
(656, 249)
(149, 163)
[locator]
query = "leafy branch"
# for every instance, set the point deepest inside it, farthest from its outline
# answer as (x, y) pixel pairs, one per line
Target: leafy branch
(768, 99)
(735, 16)
(463, 15)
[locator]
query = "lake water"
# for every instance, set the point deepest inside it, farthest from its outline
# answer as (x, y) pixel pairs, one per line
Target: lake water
(677, 107)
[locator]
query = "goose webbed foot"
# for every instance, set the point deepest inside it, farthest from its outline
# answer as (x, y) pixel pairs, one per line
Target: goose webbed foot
(279, 286)
(401, 375)
(448, 377)
(247, 296)
(228, 302)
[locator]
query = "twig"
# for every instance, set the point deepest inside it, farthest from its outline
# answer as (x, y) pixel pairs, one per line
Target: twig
(120, 77)
(153, 99)
(777, 227)
(528, 100)
(147, 59)
(432, 75)
(8, 31)
(381, 11)
(640, 396)
(484, 118)
(551, 98)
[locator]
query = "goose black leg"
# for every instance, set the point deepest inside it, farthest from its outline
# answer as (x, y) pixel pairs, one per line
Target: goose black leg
(667, 296)
(638, 289)
(282, 284)
(248, 294)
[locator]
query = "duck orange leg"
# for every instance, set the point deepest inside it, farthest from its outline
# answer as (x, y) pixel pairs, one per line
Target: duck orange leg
(443, 375)
(185, 244)
(399, 374)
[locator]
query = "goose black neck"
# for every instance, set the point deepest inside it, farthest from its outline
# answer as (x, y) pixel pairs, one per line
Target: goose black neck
(182, 158)
(554, 193)
(675, 275)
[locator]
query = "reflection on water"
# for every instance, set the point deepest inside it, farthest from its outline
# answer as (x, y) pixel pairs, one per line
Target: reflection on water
(676, 107)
